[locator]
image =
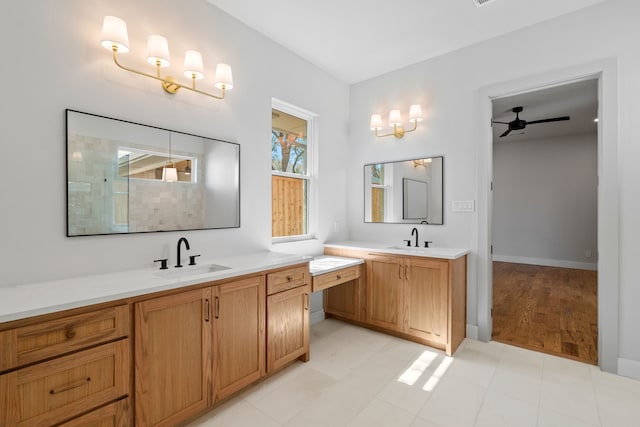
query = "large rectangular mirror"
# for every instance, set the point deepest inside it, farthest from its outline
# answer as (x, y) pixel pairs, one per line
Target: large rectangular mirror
(407, 191)
(125, 177)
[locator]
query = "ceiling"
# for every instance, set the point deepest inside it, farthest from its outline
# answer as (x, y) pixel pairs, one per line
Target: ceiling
(578, 100)
(355, 40)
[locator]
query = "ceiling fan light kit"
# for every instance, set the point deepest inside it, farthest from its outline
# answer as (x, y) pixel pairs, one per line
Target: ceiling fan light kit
(520, 124)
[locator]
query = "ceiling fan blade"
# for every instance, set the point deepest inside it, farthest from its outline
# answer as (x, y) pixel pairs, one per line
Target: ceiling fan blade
(555, 119)
(502, 123)
(505, 133)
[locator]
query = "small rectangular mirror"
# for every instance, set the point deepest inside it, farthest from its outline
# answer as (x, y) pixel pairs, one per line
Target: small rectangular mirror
(407, 191)
(125, 177)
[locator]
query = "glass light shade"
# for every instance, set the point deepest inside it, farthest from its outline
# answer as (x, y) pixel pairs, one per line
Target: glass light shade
(193, 64)
(415, 113)
(376, 122)
(394, 118)
(158, 51)
(223, 76)
(114, 32)
(169, 174)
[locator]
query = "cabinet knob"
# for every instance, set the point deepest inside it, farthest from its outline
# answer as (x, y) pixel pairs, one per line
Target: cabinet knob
(289, 278)
(338, 276)
(70, 333)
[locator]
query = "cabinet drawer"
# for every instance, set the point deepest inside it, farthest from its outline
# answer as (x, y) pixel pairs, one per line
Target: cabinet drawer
(30, 344)
(115, 414)
(57, 390)
(327, 280)
(287, 279)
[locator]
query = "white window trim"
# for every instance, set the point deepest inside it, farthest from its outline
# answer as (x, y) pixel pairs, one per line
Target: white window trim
(312, 168)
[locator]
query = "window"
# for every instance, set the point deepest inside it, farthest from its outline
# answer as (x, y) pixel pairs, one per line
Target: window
(291, 172)
(378, 193)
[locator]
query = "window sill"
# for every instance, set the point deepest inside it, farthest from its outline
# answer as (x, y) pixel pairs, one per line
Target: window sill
(292, 239)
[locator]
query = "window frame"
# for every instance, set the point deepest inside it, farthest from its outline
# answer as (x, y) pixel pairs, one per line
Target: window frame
(311, 175)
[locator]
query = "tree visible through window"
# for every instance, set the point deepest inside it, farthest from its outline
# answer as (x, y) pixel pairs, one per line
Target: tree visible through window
(290, 175)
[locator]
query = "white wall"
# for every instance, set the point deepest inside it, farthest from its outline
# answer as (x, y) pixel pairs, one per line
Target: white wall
(53, 60)
(545, 201)
(449, 88)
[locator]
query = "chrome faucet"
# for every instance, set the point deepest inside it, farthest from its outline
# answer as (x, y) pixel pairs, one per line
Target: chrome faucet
(186, 244)
(415, 231)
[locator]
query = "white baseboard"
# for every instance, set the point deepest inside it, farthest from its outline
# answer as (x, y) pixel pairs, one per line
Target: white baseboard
(547, 262)
(316, 316)
(472, 331)
(629, 368)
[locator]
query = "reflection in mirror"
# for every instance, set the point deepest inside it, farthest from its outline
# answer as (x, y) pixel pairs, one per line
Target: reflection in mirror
(126, 177)
(408, 191)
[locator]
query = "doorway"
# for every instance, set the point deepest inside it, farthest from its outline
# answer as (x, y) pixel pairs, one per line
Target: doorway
(606, 71)
(544, 233)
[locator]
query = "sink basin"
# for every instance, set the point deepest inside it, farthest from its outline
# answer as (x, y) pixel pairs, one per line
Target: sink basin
(406, 248)
(189, 270)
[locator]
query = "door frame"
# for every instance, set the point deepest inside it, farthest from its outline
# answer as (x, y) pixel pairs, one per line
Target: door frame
(605, 71)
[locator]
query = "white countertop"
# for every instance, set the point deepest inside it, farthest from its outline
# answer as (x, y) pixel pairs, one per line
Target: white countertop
(434, 252)
(328, 263)
(27, 300)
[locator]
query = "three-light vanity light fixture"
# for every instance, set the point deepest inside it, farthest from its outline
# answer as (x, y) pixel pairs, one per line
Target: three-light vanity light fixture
(395, 121)
(116, 39)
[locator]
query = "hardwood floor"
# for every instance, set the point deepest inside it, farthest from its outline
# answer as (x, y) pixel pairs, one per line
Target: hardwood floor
(547, 309)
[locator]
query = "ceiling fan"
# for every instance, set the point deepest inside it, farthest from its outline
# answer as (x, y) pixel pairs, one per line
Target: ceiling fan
(519, 124)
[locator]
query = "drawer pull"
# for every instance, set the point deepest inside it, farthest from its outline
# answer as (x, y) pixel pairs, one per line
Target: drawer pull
(289, 278)
(71, 387)
(338, 277)
(71, 334)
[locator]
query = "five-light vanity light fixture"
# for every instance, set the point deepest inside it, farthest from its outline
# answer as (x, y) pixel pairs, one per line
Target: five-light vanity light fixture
(395, 121)
(116, 39)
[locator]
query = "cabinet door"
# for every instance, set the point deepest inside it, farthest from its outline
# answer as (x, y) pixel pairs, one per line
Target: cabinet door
(288, 326)
(172, 357)
(384, 291)
(425, 299)
(239, 334)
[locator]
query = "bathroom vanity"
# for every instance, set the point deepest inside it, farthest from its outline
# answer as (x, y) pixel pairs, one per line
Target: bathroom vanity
(414, 293)
(149, 347)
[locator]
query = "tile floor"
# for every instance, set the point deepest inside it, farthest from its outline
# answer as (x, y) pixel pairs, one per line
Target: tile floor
(358, 377)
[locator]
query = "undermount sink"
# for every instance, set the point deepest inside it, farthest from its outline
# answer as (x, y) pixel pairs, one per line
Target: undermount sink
(191, 270)
(410, 248)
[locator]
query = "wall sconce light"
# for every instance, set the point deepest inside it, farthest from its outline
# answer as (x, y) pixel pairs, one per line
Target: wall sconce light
(116, 39)
(422, 162)
(395, 121)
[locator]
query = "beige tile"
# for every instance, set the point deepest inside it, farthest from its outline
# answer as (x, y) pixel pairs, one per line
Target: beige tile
(499, 410)
(336, 406)
(517, 385)
(547, 418)
(571, 397)
(408, 397)
(379, 413)
(455, 403)
(236, 413)
(287, 399)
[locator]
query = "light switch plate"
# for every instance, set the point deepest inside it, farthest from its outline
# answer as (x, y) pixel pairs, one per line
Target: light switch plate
(463, 206)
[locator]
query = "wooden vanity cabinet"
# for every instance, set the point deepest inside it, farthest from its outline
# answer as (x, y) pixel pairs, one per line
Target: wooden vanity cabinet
(419, 298)
(173, 369)
(66, 368)
(239, 334)
(287, 316)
